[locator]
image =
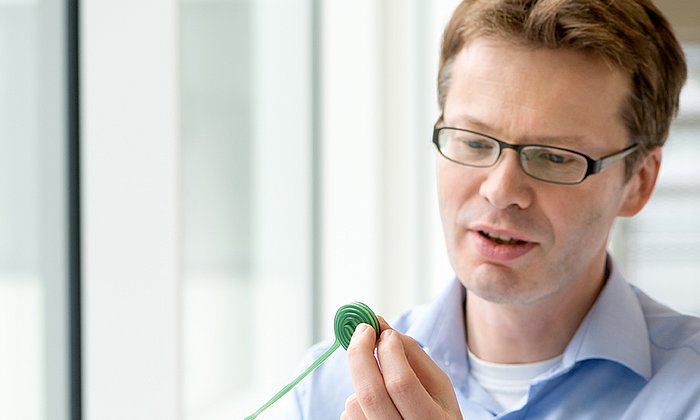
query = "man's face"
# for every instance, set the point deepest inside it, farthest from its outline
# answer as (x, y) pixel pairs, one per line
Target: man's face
(531, 96)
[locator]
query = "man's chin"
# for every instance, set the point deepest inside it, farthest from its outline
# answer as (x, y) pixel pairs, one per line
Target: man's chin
(499, 285)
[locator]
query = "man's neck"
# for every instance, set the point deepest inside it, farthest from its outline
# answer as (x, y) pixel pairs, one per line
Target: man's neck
(519, 333)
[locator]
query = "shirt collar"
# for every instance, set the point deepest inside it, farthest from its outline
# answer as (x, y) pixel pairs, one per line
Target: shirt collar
(614, 329)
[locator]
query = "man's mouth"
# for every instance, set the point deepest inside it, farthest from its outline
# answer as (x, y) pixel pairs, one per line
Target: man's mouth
(501, 240)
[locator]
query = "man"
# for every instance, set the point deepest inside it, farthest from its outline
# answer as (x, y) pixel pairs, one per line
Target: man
(553, 117)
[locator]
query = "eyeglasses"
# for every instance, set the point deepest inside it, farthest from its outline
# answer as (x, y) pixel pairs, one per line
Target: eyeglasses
(546, 163)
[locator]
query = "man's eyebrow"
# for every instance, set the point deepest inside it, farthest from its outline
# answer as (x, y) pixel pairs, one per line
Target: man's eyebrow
(474, 123)
(471, 123)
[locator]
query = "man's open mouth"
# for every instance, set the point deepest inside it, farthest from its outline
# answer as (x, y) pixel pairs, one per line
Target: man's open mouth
(501, 240)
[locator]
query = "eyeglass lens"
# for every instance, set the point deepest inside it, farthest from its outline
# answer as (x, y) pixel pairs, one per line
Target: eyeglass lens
(546, 163)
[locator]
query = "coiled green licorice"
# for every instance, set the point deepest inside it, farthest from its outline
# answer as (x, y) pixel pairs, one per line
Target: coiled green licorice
(347, 319)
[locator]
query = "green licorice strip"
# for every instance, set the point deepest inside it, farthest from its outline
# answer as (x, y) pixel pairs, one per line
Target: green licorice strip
(294, 383)
(347, 319)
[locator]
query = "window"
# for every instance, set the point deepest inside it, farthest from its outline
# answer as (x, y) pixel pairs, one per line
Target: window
(34, 230)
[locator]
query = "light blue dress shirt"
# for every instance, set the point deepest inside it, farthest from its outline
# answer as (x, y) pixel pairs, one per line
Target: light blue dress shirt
(631, 358)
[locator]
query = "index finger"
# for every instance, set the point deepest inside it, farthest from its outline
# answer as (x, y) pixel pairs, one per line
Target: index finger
(366, 377)
(433, 379)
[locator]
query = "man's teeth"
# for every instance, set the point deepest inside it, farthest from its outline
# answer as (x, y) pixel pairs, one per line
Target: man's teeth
(506, 240)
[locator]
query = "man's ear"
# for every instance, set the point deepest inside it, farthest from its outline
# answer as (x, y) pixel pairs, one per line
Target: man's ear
(640, 186)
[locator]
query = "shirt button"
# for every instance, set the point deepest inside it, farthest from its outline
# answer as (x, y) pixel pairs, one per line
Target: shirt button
(447, 363)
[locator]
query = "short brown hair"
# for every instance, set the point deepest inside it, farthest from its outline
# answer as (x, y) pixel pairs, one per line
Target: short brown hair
(632, 35)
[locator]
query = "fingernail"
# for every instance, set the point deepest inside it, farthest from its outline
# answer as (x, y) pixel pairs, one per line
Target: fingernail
(385, 334)
(360, 329)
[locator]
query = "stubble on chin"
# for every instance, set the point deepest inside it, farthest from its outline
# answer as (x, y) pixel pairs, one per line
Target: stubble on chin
(499, 286)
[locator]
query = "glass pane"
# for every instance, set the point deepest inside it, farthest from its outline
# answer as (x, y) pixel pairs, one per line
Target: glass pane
(245, 201)
(33, 224)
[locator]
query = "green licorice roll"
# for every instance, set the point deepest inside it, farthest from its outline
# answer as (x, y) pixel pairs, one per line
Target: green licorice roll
(347, 318)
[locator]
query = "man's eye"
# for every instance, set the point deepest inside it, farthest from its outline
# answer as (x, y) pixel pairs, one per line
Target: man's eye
(477, 144)
(555, 158)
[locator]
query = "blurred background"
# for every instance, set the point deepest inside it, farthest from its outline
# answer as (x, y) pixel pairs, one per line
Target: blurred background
(244, 168)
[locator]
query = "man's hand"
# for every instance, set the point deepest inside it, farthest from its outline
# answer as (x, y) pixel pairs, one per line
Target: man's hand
(406, 384)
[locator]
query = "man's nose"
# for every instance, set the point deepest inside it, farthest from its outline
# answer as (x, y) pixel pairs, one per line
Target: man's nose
(506, 184)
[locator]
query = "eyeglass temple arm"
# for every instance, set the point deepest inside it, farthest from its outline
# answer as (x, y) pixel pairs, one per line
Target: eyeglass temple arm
(600, 164)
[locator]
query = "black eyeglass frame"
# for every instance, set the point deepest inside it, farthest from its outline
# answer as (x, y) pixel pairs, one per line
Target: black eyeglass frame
(593, 166)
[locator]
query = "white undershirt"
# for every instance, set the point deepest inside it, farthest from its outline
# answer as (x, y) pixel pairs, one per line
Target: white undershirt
(508, 384)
